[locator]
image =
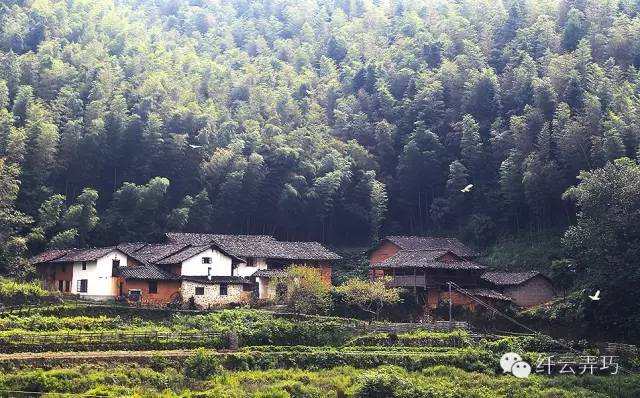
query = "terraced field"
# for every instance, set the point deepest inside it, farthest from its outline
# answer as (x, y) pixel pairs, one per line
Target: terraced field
(250, 353)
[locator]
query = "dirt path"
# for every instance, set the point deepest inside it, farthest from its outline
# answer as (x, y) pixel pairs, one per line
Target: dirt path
(95, 354)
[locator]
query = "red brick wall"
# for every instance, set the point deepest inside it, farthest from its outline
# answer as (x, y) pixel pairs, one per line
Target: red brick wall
(434, 296)
(53, 273)
(325, 270)
(165, 290)
(385, 250)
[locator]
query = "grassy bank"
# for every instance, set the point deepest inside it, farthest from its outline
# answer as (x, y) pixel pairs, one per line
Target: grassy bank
(205, 379)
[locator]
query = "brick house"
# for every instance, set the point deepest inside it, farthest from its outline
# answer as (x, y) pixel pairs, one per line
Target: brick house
(525, 289)
(425, 265)
(91, 272)
(213, 269)
(261, 258)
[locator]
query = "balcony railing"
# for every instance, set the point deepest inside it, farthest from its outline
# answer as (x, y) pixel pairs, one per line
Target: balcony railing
(428, 281)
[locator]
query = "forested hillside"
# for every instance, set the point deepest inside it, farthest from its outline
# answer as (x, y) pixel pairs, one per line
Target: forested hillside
(317, 119)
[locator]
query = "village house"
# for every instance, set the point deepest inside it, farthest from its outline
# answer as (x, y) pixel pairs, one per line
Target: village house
(525, 289)
(213, 269)
(263, 258)
(87, 272)
(426, 265)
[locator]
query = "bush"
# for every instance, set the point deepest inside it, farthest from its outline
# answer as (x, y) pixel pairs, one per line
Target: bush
(202, 365)
(13, 293)
(159, 362)
(384, 382)
(308, 293)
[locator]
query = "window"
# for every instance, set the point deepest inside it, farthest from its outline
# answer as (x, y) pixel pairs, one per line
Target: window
(199, 291)
(208, 271)
(60, 285)
(223, 289)
(115, 263)
(153, 287)
(247, 288)
(206, 260)
(83, 285)
(67, 286)
(84, 265)
(251, 262)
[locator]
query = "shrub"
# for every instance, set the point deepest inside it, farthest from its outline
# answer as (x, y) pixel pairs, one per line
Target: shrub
(159, 362)
(14, 293)
(202, 365)
(384, 382)
(308, 294)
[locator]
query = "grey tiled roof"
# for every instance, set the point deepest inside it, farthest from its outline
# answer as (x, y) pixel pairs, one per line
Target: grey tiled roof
(257, 246)
(183, 254)
(129, 248)
(49, 255)
(191, 251)
(488, 293)
(269, 273)
(426, 259)
(150, 272)
(90, 254)
(430, 243)
(155, 252)
(233, 280)
(509, 278)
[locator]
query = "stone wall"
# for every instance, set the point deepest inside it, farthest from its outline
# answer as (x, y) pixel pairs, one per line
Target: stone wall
(211, 296)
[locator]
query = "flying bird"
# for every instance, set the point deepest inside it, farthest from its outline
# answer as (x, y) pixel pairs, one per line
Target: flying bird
(195, 146)
(596, 296)
(467, 188)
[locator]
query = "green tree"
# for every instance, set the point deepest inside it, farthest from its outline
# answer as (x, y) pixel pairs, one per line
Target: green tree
(604, 241)
(308, 293)
(369, 296)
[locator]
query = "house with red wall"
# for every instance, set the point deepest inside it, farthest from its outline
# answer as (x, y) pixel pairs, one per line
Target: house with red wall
(426, 265)
(213, 269)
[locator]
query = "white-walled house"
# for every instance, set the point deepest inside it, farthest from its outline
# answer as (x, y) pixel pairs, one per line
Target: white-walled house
(262, 257)
(92, 273)
(213, 269)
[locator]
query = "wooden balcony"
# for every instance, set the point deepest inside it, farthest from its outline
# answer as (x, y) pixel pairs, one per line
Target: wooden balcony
(430, 281)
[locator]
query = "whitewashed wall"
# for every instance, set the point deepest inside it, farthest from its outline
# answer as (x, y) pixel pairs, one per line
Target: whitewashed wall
(220, 264)
(100, 282)
(244, 270)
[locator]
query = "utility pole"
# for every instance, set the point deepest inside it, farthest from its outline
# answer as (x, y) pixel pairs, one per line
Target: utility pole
(450, 304)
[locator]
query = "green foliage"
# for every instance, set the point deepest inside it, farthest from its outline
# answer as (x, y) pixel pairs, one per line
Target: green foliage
(604, 243)
(201, 365)
(14, 293)
(307, 291)
(369, 296)
(242, 118)
(390, 381)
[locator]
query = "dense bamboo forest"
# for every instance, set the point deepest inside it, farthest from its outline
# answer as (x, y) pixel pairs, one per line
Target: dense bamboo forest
(337, 121)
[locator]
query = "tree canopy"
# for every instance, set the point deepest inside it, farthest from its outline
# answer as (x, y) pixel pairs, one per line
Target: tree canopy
(330, 120)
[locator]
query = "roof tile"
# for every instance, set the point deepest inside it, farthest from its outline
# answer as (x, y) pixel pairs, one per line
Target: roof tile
(430, 243)
(509, 278)
(426, 259)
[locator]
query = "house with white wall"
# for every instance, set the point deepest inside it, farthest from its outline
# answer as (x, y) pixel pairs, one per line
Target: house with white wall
(91, 273)
(213, 269)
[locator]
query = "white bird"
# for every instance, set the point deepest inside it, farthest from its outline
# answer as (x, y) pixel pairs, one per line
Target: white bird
(596, 296)
(467, 188)
(195, 146)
